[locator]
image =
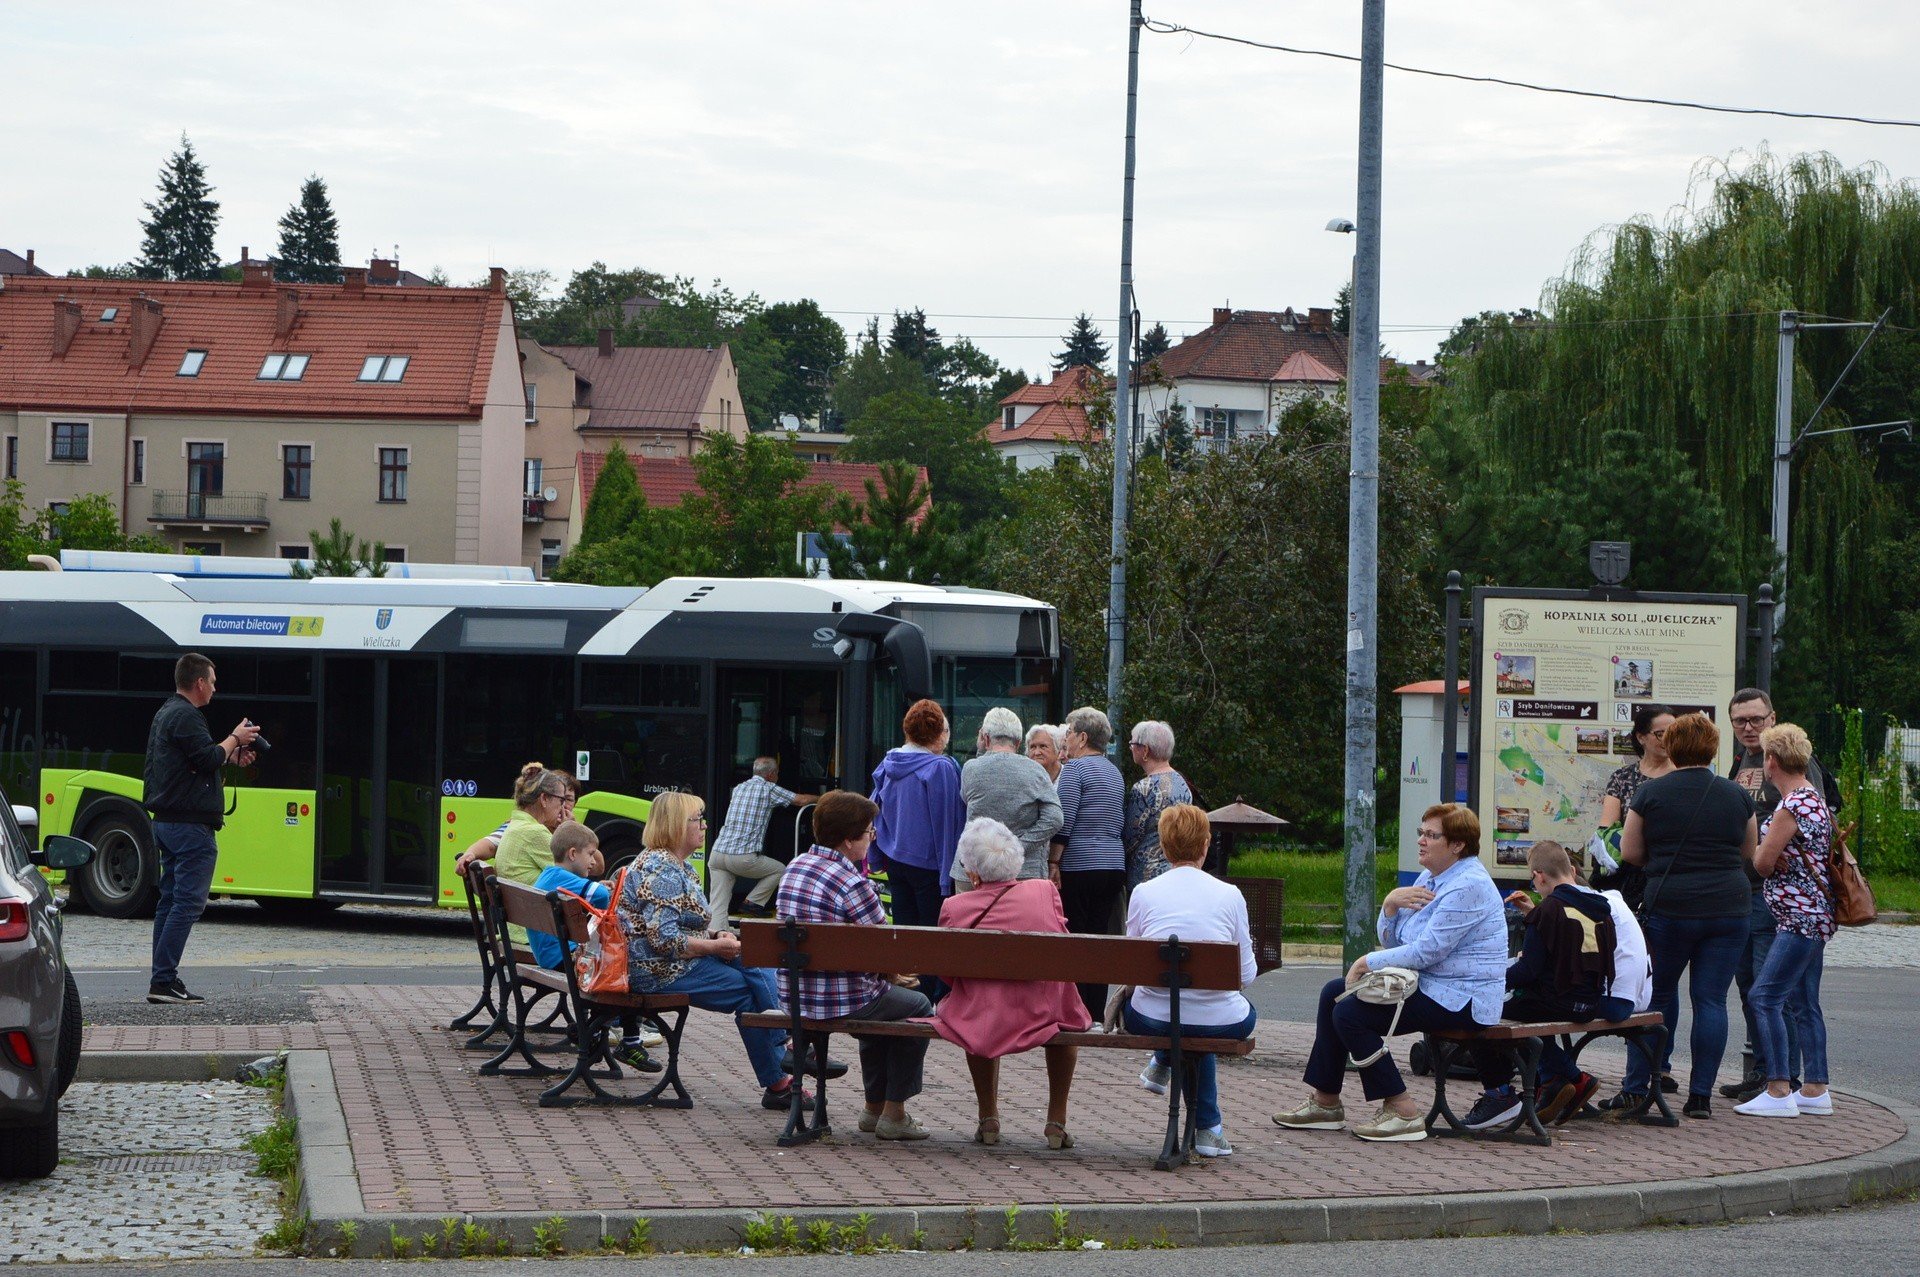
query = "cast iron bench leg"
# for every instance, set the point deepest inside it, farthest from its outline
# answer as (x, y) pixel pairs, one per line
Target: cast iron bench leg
(1529, 1052)
(1172, 1150)
(799, 1130)
(1442, 1051)
(1651, 1042)
(517, 1045)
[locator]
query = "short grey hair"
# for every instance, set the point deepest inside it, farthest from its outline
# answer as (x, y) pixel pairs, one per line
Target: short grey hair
(1156, 736)
(1056, 733)
(1092, 724)
(766, 768)
(1001, 723)
(989, 850)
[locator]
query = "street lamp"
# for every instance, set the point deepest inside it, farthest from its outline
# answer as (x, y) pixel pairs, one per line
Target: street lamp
(1341, 226)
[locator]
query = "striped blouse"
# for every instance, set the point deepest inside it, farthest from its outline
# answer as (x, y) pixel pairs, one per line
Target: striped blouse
(1093, 810)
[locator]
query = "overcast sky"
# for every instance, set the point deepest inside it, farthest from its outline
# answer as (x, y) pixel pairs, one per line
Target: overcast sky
(961, 157)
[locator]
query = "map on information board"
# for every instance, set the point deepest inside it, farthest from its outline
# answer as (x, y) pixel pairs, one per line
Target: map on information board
(1567, 675)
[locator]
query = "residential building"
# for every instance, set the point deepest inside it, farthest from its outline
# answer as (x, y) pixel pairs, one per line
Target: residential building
(239, 417)
(656, 402)
(11, 263)
(809, 442)
(1044, 421)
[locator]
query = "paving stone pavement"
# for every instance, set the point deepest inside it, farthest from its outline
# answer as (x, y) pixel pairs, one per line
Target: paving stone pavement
(429, 1135)
(156, 1170)
(241, 933)
(1883, 944)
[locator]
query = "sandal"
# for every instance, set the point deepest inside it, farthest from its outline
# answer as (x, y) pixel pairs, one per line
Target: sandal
(988, 1132)
(1057, 1136)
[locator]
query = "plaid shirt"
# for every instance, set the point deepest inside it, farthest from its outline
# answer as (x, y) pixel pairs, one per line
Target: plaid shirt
(752, 804)
(821, 886)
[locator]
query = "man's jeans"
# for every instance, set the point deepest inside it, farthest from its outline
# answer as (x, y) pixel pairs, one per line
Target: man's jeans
(1786, 997)
(723, 984)
(187, 853)
(1709, 950)
(1759, 942)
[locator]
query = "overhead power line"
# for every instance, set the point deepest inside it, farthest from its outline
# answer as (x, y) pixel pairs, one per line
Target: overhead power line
(1174, 28)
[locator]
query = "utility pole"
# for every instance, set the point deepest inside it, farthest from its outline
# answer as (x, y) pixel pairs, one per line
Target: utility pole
(1363, 497)
(1123, 405)
(1783, 452)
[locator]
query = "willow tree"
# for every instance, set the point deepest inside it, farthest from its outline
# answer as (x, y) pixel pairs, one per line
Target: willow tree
(1661, 339)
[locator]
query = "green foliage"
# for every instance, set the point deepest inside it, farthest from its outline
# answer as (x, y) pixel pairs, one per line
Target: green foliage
(812, 349)
(181, 222)
(126, 270)
(1875, 794)
(289, 1233)
(550, 1237)
(772, 1232)
(1084, 348)
(616, 503)
(398, 1243)
(872, 371)
(894, 536)
(921, 429)
(277, 1148)
(1153, 343)
(309, 250)
(754, 501)
(338, 554)
(639, 1238)
(527, 289)
(592, 300)
(90, 522)
(1343, 308)
(475, 1241)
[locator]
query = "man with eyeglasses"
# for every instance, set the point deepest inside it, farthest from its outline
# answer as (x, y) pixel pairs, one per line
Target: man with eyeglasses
(1751, 713)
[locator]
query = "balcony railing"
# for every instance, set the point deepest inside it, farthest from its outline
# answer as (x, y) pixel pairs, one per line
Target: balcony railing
(533, 508)
(210, 510)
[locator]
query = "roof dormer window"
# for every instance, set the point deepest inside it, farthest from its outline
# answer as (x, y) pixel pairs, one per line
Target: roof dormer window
(108, 315)
(190, 363)
(283, 367)
(384, 367)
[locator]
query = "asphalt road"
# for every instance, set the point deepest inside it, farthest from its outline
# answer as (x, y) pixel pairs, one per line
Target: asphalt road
(1862, 1242)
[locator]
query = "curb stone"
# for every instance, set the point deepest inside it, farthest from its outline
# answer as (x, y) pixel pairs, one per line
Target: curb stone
(330, 1196)
(163, 1066)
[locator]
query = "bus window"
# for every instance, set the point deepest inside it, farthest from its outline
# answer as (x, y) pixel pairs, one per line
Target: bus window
(968, 686)
(413, 782)
(19, 749)
(503, 712)
(98, 732)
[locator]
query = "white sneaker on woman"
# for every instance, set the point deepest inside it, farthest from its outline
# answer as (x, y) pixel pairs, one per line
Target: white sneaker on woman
(1767, 1104)
(1820, 1105)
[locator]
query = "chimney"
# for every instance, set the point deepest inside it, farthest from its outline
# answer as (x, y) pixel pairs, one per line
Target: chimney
(66, 323)
(286, 312)
(148, 315)
(1222, 314)
(1319, 319)
(497, 279)
(353, 280)
(255, 277)
(383, 270)
(29, 259)
(606, 343)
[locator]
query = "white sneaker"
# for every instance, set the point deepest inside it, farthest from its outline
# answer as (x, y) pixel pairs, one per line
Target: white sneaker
(1155, 1077)
(1212, 1143)
(1768, 1105)
(1813, 1105)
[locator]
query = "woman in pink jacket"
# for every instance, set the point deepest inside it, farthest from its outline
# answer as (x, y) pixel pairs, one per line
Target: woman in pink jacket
(991, 1018)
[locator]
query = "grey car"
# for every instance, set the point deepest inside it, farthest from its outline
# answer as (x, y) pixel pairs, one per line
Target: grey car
(39, 1003)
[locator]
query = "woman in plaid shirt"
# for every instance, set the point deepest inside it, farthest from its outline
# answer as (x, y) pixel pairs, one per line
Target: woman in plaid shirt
(828, 883)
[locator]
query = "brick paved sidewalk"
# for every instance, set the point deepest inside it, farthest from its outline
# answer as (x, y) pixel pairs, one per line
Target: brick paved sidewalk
(429, 1135)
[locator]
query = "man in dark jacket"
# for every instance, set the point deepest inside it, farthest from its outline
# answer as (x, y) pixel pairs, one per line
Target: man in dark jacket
(183, 794)
(1564, 970)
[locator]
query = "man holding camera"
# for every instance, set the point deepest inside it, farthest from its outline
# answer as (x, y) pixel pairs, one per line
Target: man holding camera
(183, 794)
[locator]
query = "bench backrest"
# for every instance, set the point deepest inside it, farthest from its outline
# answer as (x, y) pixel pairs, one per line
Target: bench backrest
(990, 955)
(526, 907)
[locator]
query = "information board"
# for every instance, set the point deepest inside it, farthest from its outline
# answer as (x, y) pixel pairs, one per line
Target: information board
(1557, 678)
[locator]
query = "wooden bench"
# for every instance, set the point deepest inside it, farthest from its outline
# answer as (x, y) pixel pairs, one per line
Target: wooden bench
(557, 914)
(992, 955)
(1645, 1032)
(482, 916)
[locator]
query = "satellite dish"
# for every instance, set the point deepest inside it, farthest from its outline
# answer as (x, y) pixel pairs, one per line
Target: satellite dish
(550, 493)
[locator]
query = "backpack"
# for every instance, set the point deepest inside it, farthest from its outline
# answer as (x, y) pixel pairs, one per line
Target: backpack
(600, 963)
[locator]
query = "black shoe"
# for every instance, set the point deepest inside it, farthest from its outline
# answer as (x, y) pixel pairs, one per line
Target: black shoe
(1700, 1106)
(175, 992)
(747, 909)
(1492, 1109)
(780, 1099)
(635, 1057)
(1622, 1104)
(1745, 1089)
(1669, 1084)
(834, 1067)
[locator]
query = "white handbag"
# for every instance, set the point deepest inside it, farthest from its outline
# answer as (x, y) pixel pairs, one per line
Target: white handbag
(1387, 987)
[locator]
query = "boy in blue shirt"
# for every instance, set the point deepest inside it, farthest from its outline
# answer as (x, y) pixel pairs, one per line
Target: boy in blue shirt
(576, 864)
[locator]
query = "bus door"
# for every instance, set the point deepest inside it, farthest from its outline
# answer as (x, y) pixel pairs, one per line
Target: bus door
(379, 795)
(791, 715)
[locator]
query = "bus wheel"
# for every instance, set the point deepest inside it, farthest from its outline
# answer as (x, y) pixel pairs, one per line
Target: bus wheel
(619, 854)
(123, 878)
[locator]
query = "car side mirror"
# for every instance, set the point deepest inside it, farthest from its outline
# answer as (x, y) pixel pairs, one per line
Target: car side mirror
(63, 852)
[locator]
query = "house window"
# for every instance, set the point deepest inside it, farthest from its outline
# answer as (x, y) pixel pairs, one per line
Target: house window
(283, 367)
(110, 314)
(549, 558)
(393, 474)
(296, 471)
(72, 441)
(1218, 422)
(56, 511)
(1006, 417)
(211, 548)
(296, 552)
(395, 553)
(137, 464)
(206, 476)
(13, 456)
(532, 414)
(533, 477)
(190, 363)
(384, 368)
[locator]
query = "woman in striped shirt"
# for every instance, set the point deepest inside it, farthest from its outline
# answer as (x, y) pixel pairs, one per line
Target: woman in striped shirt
(1087, 859)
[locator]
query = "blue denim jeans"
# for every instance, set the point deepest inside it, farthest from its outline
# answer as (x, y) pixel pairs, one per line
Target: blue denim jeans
(1206, 1092)
(1708, 950)
(723, 984)
(1759, 942)
(1787, 996)
(187, 853)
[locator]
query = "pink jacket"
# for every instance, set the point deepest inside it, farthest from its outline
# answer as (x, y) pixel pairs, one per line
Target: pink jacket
(1004, 1017)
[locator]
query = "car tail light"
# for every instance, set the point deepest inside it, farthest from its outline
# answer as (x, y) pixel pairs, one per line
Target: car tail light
(13, 920)
(20, 1047)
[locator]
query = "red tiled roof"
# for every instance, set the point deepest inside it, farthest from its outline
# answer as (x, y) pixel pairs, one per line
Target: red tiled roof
(448, 334)
(647, 387)
(1301, 366)
(1070, 383)
(667, 481)
(1255, 345)
(1059, 410)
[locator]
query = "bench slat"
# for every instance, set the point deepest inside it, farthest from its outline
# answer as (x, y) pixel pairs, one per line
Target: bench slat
(990, 955)
(921, 1029)
(1512, 1031)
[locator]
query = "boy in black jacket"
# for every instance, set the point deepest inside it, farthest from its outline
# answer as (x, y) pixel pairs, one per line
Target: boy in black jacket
(1564, 969)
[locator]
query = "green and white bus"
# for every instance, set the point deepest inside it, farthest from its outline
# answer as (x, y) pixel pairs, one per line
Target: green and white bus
(400, 711)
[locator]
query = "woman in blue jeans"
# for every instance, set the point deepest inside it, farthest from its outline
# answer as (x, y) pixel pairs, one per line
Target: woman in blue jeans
(1793, 861)
(1188, 902)
(1694, 833)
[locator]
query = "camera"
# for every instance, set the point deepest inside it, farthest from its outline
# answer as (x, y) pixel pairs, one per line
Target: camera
(260, 743)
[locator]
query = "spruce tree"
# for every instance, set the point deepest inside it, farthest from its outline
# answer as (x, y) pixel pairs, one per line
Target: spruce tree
(616, 502)
(1084, 347)
(309, 249)
(181, 222)
(1154, 343)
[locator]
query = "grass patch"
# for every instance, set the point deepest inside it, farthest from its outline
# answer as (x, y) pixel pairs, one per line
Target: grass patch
(1316, 886)
(277, 1148)
(1895, 893)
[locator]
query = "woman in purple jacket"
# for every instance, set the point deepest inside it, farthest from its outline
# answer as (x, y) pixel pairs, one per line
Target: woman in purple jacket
(921, 816)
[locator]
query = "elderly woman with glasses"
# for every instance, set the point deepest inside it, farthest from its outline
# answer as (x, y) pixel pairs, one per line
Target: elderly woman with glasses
(670, 948)
(1160, 788)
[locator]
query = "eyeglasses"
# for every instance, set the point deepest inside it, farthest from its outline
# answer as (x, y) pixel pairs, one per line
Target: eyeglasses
(697, 820)
(1429, 835)
(1752, 720)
